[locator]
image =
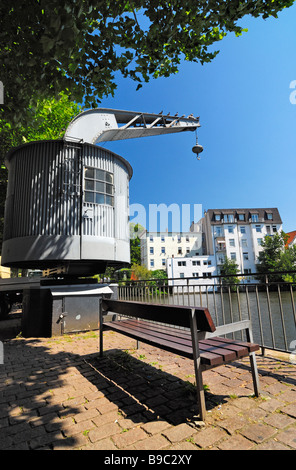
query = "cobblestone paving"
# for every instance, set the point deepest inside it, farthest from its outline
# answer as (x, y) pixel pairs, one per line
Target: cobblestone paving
(56, 393)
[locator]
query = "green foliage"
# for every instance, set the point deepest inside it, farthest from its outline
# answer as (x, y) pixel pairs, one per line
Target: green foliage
(270, 256)
(49, 46)
(47, 119)
(141, 272)
(228, 270)
(276, 258)
(135, 247)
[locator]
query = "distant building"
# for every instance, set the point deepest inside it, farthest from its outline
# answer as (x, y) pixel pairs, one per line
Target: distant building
(237, 234)
(291, 238)
(156, 247)
(193, 271)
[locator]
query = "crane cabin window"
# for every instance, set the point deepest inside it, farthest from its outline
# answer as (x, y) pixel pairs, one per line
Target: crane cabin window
(98, 186)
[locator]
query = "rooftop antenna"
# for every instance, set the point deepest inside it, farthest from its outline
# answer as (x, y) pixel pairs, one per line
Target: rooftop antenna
(197, 148)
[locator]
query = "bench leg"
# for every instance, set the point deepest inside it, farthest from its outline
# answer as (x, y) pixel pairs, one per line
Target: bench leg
(253, 363)
(255, 374)
(101, 341)
(197, 368)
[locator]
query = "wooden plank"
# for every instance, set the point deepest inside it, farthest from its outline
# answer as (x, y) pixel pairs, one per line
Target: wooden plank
(149, 339)
(180, 346)
(252, 347)
(241, 351)
(173, 315)
(226, 354)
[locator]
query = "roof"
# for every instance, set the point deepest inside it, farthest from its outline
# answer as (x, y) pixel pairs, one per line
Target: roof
(291, 237)
(261, 212)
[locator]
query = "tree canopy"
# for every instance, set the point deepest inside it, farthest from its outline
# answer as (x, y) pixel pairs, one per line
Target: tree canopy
(49, 46)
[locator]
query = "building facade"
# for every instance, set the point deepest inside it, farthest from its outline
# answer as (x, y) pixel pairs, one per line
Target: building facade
(238, 234)
(191, 271)
(156, 247)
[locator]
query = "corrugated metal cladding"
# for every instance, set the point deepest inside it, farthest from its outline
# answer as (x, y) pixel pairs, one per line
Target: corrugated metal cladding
(46, 197)
(45, 191)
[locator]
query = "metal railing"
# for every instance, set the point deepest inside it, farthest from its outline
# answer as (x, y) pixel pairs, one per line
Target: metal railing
(269, 303)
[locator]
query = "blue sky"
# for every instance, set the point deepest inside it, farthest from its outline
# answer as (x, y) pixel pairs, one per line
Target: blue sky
(248, 126)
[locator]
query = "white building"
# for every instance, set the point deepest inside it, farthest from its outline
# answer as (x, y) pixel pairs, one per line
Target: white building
(156, 247)
(237, 234)
(193, 271)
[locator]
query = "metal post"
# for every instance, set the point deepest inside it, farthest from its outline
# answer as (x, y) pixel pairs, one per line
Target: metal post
(197, 366)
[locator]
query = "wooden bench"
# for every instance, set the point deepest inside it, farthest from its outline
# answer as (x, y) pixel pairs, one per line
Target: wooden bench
(200, 342)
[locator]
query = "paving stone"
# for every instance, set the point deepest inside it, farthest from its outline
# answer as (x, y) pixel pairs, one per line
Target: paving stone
(258, 432)
(209, 436)
(236, 442)
(125, 439)
(106, 430)
(288, 437)
(178, 433)
(52, 398)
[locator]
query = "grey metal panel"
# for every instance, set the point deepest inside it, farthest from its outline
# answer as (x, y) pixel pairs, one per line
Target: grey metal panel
(45, 216)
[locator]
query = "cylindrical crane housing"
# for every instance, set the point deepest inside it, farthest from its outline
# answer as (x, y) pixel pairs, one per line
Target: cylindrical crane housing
(67, 204)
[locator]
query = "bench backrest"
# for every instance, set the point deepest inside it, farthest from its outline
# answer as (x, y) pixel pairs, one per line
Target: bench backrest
(170, 314)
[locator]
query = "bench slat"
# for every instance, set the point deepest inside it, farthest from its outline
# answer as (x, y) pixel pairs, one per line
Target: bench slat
(211, 352)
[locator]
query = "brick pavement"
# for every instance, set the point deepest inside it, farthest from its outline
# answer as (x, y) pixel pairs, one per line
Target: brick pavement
(56, 393)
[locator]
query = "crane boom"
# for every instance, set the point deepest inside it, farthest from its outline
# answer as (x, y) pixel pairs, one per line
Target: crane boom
(105, 125)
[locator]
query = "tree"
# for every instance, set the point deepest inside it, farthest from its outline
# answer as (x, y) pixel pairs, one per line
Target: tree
(140, 272)
(288, 263)
(228, 270)
(49, 46)
(270, 256)
(135, 247)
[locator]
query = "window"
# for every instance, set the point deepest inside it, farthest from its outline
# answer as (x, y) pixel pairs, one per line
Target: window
(231, 242)
(162, 238)
(217, 217)
(163, 249)
(195, 263)
(152, 263)
(187, 238)
(269, 216)
(274, 229)
(242, 229)
(195, 275)
(258, 228)
(244, 242)
(267, 228)
(151, 238)
(254, 217)
(181, 263)
(230, 218)
(230, 229)
(218, 231)
(241, 217)
(247, 271)
(151, 250)
(179, 251)
(233, 256)
(259, 241)
(187, 251)
(245, 256)
(182, 275)
(98, 186)
(163, 262)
